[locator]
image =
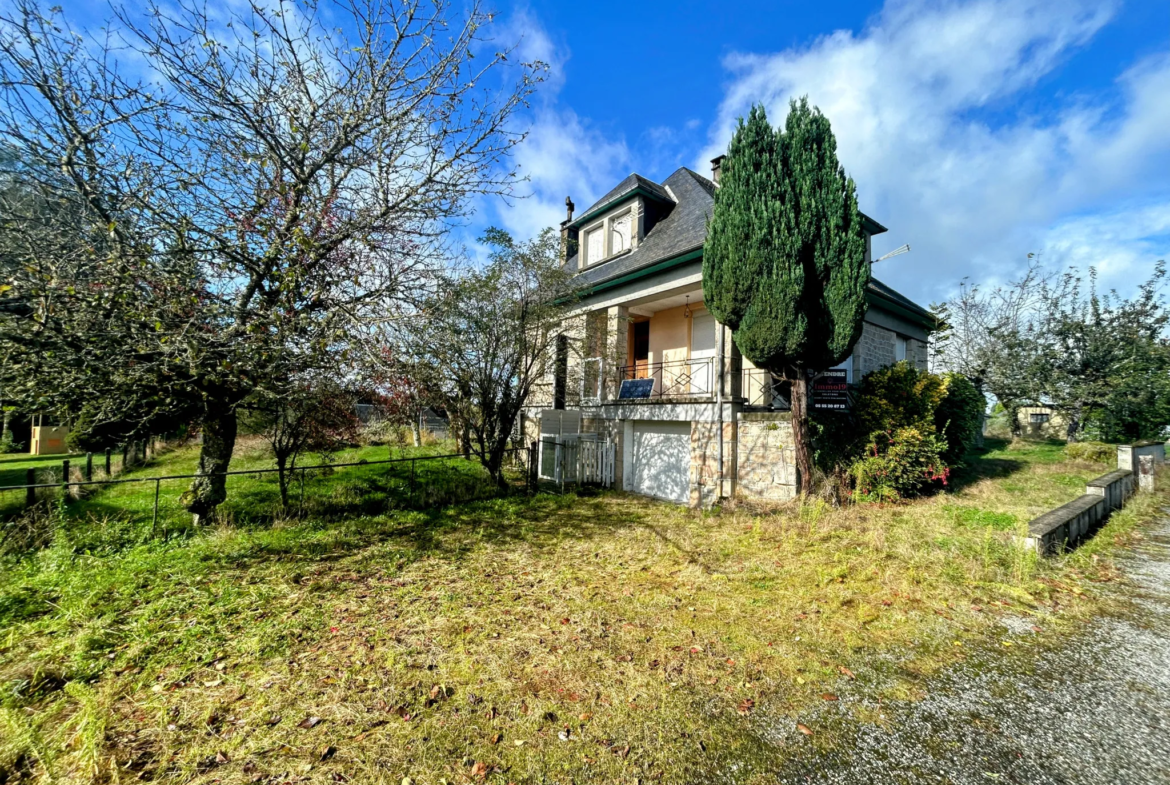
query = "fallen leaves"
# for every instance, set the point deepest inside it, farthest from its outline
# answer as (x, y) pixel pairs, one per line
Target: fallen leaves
(806, 730)
(309, 722)
(828, 696)
(328, 752)
(746, 706)
(846, 672)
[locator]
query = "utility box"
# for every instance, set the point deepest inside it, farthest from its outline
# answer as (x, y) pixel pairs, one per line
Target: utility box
(49, 440)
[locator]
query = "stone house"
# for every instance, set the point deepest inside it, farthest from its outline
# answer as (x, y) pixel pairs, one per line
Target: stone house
(707, 424)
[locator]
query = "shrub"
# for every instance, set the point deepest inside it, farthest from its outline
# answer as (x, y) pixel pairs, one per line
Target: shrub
(899, 464)
(959, 416)
(1093, 452)
(897, 396)
(8, 444)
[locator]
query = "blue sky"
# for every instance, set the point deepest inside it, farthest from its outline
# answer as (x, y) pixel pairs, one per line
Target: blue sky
(977, 131)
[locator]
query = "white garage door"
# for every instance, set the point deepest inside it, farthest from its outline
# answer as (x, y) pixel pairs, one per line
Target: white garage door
(662, 460)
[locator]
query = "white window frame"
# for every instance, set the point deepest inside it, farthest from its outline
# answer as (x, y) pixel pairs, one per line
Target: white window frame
(605, 226)
(901, 348)
(599, 226)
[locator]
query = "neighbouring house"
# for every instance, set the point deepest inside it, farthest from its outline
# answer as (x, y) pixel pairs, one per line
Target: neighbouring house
(1042, 422)
(712, 426)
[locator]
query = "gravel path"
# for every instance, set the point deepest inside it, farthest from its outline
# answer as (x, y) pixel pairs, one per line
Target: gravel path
(1094, 711)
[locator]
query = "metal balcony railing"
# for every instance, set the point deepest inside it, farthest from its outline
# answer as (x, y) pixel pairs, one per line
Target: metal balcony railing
(762, 389)
(674, 378)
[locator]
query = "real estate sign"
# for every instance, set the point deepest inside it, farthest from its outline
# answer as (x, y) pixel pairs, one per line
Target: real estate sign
(830, 390)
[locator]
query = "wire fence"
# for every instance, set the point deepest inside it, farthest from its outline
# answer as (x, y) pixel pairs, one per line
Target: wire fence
(366, 486)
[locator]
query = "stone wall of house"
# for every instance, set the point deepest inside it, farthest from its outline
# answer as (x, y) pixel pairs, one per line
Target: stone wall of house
(704, 474)
(766, 463)
(876, 348)
(916, 353)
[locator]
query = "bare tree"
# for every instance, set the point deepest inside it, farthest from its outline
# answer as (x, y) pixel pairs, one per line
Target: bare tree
(491, 337)
(310, 416)
(280, 173)
(993, 337)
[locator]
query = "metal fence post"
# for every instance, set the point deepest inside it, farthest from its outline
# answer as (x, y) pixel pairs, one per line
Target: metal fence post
(88, 466)
(65, 479)
(154, 520)
(30, 493)
(107, 462)
(302, 510)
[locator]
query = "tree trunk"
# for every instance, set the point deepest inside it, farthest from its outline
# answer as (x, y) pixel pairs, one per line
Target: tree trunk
(282, 477)
(209, 490)
(1013, 413)
(800, 434)
(6, 432)
(1074, 425)
(416, 432)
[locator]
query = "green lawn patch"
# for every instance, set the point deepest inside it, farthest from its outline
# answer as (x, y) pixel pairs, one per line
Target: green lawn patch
(529, 640)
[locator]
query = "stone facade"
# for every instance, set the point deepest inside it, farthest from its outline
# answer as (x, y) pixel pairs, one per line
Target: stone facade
(878, 347)
(766, 462)
(704, 472)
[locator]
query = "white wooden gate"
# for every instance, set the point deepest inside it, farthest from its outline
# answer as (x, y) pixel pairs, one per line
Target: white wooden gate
(577, 459)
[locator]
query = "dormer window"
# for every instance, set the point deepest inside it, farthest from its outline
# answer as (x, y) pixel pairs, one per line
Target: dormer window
(608, 237)
(594, 244)
(619, 234)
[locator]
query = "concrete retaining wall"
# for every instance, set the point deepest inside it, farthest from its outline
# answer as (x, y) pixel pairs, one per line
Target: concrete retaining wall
(1067, 526)
(1114, 487)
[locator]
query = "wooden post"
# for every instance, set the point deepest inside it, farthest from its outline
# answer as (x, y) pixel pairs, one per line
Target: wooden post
(89, 467)
(125, 452)
(107, 462)
(30, 493)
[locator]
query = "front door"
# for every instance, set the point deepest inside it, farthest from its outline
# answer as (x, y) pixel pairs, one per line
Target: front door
(641, 349)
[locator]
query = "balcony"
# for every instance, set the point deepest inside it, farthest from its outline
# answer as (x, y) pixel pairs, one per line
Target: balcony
(689, 378)
(762, 389)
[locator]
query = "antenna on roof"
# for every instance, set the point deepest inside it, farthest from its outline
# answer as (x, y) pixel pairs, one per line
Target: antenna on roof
(899, 250)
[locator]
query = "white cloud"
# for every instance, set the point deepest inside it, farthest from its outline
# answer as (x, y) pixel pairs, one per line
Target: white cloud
(564, 154)
(910, 99)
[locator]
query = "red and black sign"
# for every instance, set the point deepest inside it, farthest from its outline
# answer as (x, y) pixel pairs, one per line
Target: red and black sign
(830, 391)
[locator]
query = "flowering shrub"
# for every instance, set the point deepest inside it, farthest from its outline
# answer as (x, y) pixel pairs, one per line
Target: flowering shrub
(899, 463)
(908, 429)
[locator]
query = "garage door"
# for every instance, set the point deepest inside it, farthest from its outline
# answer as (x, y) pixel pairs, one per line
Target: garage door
(662, 460)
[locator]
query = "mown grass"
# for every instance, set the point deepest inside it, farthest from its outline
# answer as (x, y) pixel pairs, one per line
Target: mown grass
(604, 638)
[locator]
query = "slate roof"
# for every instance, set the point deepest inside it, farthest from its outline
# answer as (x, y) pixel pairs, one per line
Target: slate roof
(683, 229)
(624, 187)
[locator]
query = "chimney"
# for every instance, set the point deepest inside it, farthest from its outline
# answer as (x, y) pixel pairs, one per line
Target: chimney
(568, 236)
(716, 164)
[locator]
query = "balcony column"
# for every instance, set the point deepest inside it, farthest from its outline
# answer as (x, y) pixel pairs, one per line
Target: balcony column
(615, 348)
(732, 367)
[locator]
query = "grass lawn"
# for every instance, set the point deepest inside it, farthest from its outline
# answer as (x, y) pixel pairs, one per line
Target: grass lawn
(14, 471)
(599, 638)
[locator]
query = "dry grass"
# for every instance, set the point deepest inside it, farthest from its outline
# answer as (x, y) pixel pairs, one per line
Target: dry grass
(560, 639)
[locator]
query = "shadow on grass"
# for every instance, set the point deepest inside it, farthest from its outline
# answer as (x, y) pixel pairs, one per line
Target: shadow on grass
(981, 465)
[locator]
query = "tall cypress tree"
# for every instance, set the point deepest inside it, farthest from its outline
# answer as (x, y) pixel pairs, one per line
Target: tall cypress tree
(784, 264)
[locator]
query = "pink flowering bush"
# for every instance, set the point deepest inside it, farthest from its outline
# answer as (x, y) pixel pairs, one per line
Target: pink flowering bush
(900, 463)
